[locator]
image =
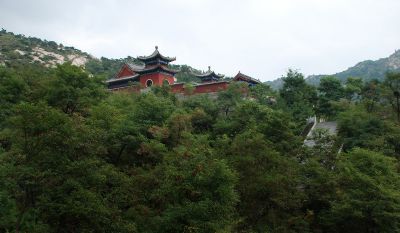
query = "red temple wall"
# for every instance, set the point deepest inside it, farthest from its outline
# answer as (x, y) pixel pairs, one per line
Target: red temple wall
(177, 88)
(157, 79)
(212, 87)
(127, 89)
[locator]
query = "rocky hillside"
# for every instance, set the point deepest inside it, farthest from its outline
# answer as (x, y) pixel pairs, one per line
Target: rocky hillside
(366, 70)
(19, 49)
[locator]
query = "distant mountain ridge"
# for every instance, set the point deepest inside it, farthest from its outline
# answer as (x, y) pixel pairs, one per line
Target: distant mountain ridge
(367, 70)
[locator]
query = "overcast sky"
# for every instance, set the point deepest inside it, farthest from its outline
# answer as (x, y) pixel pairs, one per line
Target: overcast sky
(261, 38)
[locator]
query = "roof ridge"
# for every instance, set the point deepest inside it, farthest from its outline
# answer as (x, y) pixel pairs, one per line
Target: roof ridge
(155, 54)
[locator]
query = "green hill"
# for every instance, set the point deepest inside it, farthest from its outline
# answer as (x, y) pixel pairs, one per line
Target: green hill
(366, 70)
(20, 49)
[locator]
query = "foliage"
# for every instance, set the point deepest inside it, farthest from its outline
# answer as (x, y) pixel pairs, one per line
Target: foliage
(330, 90)
(298, 97)
(75, 158)
(392, 83)
(367, 194)
(353, 88)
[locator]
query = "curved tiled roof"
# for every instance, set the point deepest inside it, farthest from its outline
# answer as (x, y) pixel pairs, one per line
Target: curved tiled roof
(209, 73)
(122, 79)
(246, 78)
(156, 54)
(155, 68)
(135, 67)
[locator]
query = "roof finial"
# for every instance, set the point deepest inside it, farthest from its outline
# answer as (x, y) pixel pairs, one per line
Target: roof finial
(209, 68)
(156, 47)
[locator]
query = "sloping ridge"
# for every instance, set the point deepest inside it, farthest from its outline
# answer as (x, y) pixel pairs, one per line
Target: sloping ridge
(367, 70)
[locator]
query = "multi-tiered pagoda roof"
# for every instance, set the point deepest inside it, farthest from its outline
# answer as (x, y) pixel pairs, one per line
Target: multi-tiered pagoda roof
(156, 63)
(209, 76)
(156, 58)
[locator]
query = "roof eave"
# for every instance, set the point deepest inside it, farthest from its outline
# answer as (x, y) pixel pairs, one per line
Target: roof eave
(121, 79)
(157, 67)
(154, 55)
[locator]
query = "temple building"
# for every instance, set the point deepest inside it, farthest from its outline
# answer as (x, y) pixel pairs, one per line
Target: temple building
(155, 72)
(244, 78)
(211, 82)
(209, 76)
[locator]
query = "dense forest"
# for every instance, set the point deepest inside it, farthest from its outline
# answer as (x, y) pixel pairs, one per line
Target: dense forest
(76, 158)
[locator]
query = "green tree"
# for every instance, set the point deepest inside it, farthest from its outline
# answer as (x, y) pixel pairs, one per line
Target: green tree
(330, 89)
(371, 95)
(74, 90)
(268, 184)
(367, 194)
(57, 182)
(199, 193)
(13, 90)
(299, 97)
(228, 99)
(359, 128)
(392, 82)
(274, 125)
(263, 93)
(353, 88)
(191, 190)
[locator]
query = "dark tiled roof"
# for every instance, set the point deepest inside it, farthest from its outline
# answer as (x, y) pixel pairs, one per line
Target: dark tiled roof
(246, 77)
(156, 54)
(135, 67)
(121, 79)
(209, 73)
(155, 68)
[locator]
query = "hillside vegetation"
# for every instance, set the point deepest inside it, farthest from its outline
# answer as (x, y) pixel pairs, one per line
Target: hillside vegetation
(75, 157)
(20, 49)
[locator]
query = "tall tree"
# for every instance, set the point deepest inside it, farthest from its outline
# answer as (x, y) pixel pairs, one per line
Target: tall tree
(371, 94)
(367, 194)
(330, 89)
(268, 184)
(299, 97)
(392, 82)
(353, 88)
(74, 90)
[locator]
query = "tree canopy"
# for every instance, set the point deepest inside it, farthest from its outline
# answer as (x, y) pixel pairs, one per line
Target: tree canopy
(76, 158)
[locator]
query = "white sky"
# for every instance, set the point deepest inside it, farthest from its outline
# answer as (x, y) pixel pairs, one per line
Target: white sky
(260, 38)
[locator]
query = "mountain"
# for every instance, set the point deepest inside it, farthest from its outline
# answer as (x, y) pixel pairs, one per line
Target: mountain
(366, 70)
(20, 49)
(275, 84)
